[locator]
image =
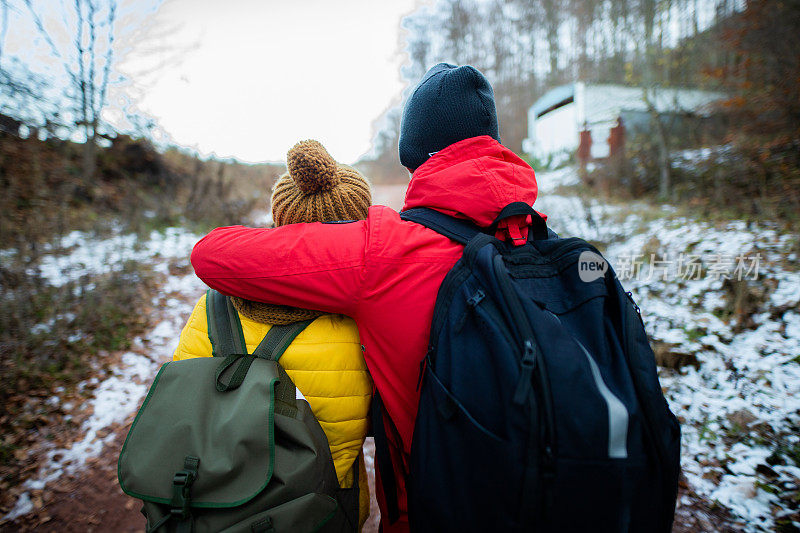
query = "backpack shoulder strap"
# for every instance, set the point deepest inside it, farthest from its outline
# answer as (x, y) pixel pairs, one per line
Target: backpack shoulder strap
(227, 337)
(271, 347)
(227, 340)
(463, 231)
(383, 459)
(278, 338)
(456, 229)
(224, 327)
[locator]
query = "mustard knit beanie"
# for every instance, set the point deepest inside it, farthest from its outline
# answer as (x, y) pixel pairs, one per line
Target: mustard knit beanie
(318, 189)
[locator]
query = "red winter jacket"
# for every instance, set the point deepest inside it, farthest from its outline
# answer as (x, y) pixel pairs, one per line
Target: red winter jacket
(382, 271)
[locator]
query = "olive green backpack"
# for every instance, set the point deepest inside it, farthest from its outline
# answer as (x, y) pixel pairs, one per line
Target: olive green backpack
(223, 444)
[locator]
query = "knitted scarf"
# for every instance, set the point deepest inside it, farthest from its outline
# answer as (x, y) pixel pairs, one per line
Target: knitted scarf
(278, 315)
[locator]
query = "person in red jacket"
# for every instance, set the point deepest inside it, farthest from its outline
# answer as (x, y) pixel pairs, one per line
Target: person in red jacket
(383, 271)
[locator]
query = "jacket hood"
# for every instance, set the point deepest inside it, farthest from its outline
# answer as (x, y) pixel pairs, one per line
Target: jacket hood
(473, 179)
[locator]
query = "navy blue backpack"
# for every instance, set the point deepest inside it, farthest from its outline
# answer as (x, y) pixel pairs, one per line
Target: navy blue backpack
(540, 405)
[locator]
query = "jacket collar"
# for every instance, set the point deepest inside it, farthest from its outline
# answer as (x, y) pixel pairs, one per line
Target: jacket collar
(472, 179)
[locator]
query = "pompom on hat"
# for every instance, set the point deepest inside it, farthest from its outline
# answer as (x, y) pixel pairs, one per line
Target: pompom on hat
(315, 189)
(318, 189)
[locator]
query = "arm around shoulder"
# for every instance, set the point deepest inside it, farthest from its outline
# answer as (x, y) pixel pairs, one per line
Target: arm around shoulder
(314, 266)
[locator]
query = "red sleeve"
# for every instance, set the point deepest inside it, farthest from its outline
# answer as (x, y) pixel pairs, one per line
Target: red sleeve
(314, 266)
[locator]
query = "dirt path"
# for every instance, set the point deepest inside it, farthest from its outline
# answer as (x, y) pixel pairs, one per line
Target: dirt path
(88, 500)
(73, 486)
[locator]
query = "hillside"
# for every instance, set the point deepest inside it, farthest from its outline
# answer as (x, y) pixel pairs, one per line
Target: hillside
(80, 263)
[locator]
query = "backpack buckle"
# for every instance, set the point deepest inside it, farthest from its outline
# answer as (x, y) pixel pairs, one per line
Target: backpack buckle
(183, 478)
(181, 514)
(182, 487)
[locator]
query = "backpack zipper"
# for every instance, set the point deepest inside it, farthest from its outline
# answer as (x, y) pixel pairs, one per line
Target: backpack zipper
(472, 303)
(451, 282)
(630, 297)
(495, 317)
(528, 366)
(529, 344)
(629, 294)
(655, 442)
(530, 350)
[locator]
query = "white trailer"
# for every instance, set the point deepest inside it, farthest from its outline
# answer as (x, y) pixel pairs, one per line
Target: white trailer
(556, 119)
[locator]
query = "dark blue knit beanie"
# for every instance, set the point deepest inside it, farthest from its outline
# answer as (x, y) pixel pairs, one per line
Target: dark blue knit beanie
(450, 104)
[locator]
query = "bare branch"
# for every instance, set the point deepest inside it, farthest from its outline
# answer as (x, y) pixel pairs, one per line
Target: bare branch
(81, 78)
(109, 56)
(92, 64)
(46, 36)
(3, 29)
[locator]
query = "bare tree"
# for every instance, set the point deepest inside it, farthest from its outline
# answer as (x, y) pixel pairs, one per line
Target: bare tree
(552, 16)
(88, 67)
(92, 87)
(525, 48)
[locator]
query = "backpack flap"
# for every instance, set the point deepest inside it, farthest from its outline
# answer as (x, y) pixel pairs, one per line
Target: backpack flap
(184, 416)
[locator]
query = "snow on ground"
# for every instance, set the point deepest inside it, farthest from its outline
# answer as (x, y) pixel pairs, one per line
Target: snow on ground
(550, 180)
(88, 255)
(690, 160)
(743, 397)
(120, 394)
(740, 403)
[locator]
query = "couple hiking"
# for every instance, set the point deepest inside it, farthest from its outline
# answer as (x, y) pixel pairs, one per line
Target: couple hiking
(467, 334)
(382, 271)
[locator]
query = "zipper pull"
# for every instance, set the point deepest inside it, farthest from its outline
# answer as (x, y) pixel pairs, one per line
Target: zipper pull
(472, 302)
(528, 364)
(476, 298)
(638, 311)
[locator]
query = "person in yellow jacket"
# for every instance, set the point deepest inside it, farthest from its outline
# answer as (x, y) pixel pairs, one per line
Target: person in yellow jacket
(324, 361)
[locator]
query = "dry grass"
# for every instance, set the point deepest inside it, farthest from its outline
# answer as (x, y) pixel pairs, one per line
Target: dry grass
(54, 337)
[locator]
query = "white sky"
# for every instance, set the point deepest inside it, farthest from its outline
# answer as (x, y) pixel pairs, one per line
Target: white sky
(257, 76)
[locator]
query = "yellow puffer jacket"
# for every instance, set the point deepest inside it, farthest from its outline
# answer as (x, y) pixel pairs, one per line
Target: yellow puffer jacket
(327, 366)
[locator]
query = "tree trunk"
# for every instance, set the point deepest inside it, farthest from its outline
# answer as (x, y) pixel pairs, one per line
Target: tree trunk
(89, 159)
(552, 22)
(663, 163)
(663, 155)
(663, 149)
